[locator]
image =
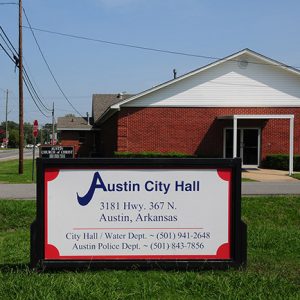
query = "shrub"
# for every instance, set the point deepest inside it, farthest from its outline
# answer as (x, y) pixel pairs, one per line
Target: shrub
(151, 155)
(280, 162)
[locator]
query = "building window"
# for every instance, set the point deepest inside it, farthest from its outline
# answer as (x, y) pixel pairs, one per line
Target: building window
(82, 137)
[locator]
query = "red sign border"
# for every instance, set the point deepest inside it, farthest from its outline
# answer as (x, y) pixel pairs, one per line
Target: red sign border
(52, 253)
(238, 230)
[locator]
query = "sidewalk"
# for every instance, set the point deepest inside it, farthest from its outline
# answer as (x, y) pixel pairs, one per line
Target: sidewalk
(267, 175)
(18, 191)
(271, 188)
(28, 191)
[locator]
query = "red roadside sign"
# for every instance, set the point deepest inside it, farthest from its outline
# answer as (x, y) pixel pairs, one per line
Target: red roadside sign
(35, 128)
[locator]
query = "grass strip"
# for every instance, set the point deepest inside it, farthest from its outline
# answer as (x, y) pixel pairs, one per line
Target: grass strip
(296, 175)
(9, 172)
(273, 270)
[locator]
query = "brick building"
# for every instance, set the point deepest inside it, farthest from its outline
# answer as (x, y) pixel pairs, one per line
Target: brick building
(245, 105)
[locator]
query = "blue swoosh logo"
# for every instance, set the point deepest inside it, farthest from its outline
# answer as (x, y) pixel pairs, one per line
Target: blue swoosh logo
(84, 200)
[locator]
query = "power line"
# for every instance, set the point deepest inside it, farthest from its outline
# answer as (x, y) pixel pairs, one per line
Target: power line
(49, 69)
(130, 46)
(16, 52)
(29, 82)
(35, 92)
(120, 44)
(11, 58)
(149, 48)
(6, 43)
(32, 97)
(8, 3)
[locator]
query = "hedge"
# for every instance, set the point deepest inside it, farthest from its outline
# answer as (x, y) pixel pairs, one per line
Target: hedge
(152, 155)
(280, 162)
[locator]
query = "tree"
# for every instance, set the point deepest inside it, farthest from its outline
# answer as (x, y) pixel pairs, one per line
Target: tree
(10, 125)
(13, 130)
(28, 133)
(13, 138)
(47, 131)
(70, 116)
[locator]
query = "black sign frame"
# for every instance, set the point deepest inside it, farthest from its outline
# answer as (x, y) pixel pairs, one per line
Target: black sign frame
(238, 230)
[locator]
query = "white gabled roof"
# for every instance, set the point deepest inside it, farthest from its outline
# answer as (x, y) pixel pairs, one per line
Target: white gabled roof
(233, 57)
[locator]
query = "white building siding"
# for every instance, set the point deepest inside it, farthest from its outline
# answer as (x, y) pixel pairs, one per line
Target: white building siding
(229, 85)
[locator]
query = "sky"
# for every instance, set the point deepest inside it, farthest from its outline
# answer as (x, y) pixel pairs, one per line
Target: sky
(81, 67)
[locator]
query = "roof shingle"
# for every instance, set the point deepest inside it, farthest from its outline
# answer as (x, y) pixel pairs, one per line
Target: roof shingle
(73, 123)
(101, 102)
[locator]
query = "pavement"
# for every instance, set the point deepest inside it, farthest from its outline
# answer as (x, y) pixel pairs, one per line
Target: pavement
(268, 182)
(10, 154)
(267, 175)
(271, 188)
(17, 191)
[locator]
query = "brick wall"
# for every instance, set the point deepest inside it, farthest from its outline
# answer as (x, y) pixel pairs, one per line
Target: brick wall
(195, 130)
(109, 136)
(71, 138)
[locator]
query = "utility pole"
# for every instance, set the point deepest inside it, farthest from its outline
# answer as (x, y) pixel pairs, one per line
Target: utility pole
(53, 124)
(6, 112)
(21, 104)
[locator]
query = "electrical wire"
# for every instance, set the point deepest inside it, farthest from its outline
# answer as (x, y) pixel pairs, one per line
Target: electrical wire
(11, 58)
(29, 82)
(34, 91)
(6, 43)
(32, 97)
(119, 44)
(150, 48)
(30, 87)
(49, 69)
(130, 46)
(8, 3)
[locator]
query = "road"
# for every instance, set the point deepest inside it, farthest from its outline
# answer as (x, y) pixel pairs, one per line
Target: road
(14, 154)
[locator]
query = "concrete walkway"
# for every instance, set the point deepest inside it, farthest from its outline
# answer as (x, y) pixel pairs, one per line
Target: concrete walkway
(271, 188)
(267, 175)
(269, 182)
(28, 191)
(18, 191)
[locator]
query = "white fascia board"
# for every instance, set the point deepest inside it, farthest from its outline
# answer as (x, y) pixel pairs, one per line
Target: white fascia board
(238, 117)
(232, 57)
(228, 105)
(270, 61)
(107, 114)
(263, 117)
(160, 86)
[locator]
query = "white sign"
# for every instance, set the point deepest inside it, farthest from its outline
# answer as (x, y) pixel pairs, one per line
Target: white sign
(113, 214)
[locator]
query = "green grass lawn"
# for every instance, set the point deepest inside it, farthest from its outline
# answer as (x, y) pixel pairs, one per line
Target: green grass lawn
(273, 270)
(297, 176)
(9, 171)
(248, 180)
